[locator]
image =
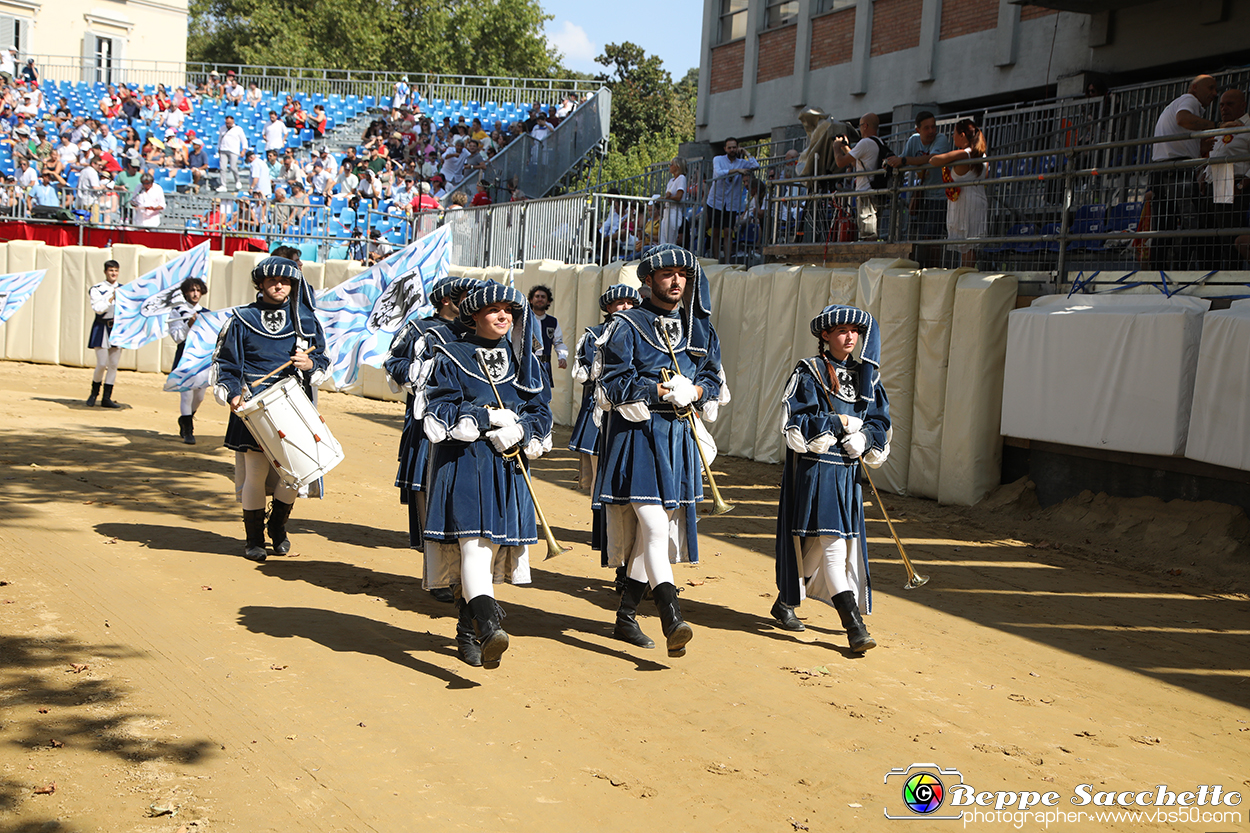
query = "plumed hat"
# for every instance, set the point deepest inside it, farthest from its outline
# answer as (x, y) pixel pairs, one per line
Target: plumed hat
(616, 292)
(529, 375)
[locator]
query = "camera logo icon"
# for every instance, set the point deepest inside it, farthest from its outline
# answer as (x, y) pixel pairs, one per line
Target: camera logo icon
(922, 789)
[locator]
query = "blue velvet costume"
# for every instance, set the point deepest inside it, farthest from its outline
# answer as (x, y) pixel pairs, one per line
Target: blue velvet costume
(585, 436)
(820, 492)
(258, 338)
(474, 490)
(654, 460)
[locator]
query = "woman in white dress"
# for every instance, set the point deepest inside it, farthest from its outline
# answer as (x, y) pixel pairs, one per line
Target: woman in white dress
(967, 206)
(674, 192)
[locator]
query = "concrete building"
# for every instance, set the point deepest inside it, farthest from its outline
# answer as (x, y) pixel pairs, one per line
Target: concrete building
(764, 61)
(95, 37)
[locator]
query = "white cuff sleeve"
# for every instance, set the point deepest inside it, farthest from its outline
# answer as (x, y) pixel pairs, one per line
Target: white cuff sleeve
(634, 411)
(465, 430)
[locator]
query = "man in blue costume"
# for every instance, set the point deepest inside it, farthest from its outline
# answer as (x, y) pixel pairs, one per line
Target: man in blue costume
(481, 517)
(550, 334)
(407, 364)
(649, 476)
(835, 414)
(278, 327)
(585, 436)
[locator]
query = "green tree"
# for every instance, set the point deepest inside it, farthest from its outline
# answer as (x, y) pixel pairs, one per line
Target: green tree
(471, 37)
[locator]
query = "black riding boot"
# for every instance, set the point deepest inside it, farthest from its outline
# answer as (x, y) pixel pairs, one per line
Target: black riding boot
(254, 524)
(856, 631)
(784, 614)
(489, 635)
(627, 629)
(188, 430)
(676, 631)
(278, 515)
(622, 575)
(107, 401)
(466, 638)
(95, 391)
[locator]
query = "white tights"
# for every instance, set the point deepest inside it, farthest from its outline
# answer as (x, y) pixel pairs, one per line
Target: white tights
(649, 560)
(827, 554)
(477, 576)
(190, 400)
(255, 472)
(106, 359)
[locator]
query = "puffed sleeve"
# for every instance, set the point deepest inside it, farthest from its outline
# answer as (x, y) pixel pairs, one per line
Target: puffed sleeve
(805, 418)
(585, 357)
(101, 298)
(619, 381)
(226, 375)
(536, 421)
(178, 324)
(709, 377)
(399, 358)
(877, 418)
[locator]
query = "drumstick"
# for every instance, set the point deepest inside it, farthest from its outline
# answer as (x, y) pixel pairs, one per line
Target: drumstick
(278, 369)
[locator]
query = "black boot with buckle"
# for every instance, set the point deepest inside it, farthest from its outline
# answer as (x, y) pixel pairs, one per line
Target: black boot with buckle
(784, 614)
(254, 525)
(676, 632)
(856, 630)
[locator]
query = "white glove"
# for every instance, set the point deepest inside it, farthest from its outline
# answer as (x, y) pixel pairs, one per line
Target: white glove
(855, 444)
(821, 444)
(681, 391)
(851, 423)
(505, 438)
(500, 417)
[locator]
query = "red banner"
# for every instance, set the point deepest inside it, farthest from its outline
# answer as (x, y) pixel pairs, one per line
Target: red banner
(66, 234)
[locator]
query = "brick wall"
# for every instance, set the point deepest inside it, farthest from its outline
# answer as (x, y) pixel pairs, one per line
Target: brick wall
(968, 16)
(833, 38)
(727, 66)
(1034, 12)
(776, 56)
(895, 26)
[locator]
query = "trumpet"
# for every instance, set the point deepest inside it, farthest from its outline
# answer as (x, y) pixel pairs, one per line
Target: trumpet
(719, 506)
(554, 547)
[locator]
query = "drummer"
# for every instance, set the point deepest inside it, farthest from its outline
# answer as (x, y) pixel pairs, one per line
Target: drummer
(277, 330)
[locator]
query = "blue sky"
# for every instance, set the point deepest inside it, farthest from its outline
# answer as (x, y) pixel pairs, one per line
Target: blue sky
(670, 29)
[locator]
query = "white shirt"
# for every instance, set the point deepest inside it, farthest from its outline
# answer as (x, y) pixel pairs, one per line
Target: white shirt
(1167, 125)
(275, 135)
(320, 181)
(541, 131)
(148, 206)
(28, 177)
(261, 181)
(68, 151)
(452, 163)
(233, 140)
(174, 118)
(867, 154)
(1224, 176)
(101, 297)
(88, 183)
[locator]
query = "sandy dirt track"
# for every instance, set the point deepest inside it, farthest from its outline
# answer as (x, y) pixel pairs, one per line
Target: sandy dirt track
(146, 667)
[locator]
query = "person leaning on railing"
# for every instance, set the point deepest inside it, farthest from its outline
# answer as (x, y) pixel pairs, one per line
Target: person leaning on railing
(1174, 191)
(1226, 186)
(926, 209)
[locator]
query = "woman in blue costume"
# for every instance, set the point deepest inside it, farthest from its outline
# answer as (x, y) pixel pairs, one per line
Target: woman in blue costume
(649, 476)
(278, 327)
(585, 437)
(480, 519)
(835, 414)
(407, 364)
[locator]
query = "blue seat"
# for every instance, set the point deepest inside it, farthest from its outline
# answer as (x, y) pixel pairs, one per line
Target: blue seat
(1049, 245)
(1123, 216)
(1023, 246)
(1089, 219)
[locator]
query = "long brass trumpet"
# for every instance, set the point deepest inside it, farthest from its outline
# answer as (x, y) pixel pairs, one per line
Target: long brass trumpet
(554, 547)
(914, 579)
(719, 506)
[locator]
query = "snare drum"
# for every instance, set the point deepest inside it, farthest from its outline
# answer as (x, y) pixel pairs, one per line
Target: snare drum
(292, 434)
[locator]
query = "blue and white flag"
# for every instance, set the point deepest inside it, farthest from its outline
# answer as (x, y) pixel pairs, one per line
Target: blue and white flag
(141, 311)
(361, 316)
(197, 356)
(15, 289)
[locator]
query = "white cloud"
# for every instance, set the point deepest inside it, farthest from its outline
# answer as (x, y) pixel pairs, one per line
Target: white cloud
(573, 42)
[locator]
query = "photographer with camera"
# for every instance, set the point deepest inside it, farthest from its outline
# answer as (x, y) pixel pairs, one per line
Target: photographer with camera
(866, 155)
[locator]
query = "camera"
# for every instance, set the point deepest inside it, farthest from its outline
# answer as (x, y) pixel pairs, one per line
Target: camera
(919, 791)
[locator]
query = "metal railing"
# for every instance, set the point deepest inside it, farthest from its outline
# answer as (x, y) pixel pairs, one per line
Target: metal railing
(536, 166)
(342, 82)
(1051, 212)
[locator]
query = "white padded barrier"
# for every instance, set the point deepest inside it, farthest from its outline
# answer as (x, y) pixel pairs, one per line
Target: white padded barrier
(1221, 403)
(972, 448)
(933, 341)
(1114, 372)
